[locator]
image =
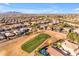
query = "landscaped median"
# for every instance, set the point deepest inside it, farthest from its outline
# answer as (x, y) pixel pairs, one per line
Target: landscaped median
(32, 44)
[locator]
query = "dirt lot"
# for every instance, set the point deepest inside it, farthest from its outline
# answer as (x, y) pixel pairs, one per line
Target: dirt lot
(13, 48)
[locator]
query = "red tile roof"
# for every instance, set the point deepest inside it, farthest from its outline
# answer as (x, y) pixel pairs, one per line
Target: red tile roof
(54, 52)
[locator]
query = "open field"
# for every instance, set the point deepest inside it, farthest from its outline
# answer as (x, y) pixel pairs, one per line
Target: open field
(8, 48)
(32, 44)
(14, 47)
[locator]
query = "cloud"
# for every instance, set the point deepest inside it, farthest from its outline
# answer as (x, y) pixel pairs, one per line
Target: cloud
(1, 7)
(7, 3)
(48, 10)
(76, 9)
(32, 10)
(5, 8)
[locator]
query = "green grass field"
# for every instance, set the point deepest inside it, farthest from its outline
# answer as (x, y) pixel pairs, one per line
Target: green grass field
(32, 44)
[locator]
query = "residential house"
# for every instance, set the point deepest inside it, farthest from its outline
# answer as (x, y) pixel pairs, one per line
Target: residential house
(76, 31)
(54, 52)
(70, 47)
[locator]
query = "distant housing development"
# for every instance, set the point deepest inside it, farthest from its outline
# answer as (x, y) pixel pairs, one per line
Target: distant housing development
(39, 34)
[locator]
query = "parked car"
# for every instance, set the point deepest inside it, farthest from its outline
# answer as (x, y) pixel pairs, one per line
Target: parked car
(2, 37)
(9, 34)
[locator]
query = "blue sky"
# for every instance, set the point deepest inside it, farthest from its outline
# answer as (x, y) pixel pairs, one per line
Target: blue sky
(40, 7)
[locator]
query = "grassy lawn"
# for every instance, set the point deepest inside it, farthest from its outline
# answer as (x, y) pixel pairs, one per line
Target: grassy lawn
(32, 44)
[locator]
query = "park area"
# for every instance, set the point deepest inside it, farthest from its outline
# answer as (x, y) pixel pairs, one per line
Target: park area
(32, 44)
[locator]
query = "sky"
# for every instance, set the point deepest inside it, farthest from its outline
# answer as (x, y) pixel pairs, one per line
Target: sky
(38, 8)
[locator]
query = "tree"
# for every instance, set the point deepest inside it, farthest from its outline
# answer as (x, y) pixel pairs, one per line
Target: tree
(73, 36)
